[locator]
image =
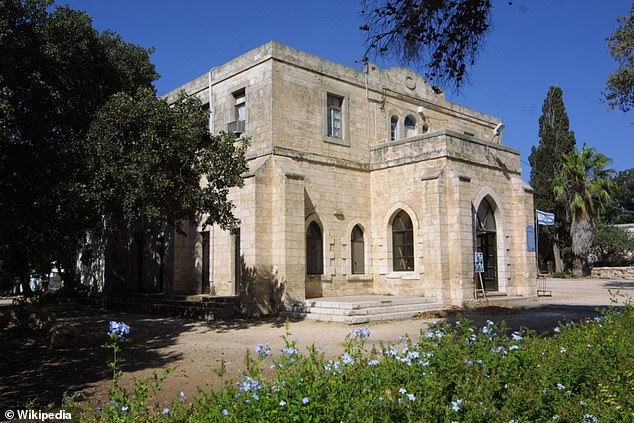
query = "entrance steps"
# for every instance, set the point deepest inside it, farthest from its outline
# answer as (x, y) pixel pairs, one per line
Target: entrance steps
(354, 310)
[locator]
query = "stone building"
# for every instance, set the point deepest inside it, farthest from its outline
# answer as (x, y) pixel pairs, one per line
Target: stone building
(360, 182)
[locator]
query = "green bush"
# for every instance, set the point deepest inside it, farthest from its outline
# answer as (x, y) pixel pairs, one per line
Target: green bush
(584, 372)
(612, 246)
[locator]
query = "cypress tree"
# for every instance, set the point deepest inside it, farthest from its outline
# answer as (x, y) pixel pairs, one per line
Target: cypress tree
(555, 140)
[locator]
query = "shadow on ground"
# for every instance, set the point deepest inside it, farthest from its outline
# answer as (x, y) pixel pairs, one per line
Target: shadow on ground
(31, 371)
(541, 319)
(224, 326)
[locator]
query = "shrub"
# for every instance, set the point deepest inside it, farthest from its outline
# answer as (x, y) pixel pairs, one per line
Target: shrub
(584, 372)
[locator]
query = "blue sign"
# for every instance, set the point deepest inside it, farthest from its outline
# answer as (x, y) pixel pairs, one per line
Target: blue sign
(530, 238)
(478, 262)
(544, 218)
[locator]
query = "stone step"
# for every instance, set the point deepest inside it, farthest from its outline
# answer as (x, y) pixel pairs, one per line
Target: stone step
(362, 302)
(363, 311)
(355, 310)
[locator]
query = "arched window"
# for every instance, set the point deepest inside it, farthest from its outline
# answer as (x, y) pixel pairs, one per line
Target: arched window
(358, 250)
(402, 243)
(410, 126)
(393, 128)
(314, 250)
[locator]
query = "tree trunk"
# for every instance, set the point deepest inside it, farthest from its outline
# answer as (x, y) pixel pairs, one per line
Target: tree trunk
(25, 282)
(577, 267)
(581, 231)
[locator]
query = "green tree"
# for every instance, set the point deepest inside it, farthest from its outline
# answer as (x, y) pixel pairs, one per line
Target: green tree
(585, 184)
(622, 210)
(56, 71)
(619, 91)
(612, 245)
(163, 165)
(84, 140)
(555, 140)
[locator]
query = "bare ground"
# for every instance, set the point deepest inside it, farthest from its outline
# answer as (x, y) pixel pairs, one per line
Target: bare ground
(194, 351)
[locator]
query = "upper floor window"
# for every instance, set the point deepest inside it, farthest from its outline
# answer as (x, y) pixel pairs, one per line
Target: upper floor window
(238, 125)
(240, 105)
(393, 128)
(410, 126)
(334, 112)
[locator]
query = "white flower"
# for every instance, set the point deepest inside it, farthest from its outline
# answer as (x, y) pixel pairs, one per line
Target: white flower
(455, 405)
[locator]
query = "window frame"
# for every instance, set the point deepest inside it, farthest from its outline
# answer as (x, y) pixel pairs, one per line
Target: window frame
(314, 264)
(355, 244)
(403, 251)
(343, 113)
(394, 128)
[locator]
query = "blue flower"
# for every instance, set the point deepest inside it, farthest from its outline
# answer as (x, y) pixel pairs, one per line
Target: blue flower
(305, 400)
(182, 396)
(411, 397)
(166, 410)
(557, 329)
(347, 359)
(225, 412)
(290, 351)
(125, 408)
(118, 329)
(361, 333)
(282, 403)
(250, 384)
(561, 387)
(263, 350)
(373, 363)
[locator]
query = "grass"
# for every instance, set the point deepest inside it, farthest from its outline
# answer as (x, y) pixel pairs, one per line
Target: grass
(450, 373)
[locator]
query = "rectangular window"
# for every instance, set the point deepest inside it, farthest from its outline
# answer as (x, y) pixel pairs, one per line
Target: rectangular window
(240, 105)
(334, 116)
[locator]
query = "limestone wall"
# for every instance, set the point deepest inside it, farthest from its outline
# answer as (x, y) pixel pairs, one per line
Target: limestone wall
(613, 272)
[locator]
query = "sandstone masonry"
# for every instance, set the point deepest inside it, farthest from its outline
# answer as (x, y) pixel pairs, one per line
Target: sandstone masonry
(359, 182)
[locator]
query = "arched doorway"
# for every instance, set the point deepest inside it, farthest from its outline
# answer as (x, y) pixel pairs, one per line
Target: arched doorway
(486, 243)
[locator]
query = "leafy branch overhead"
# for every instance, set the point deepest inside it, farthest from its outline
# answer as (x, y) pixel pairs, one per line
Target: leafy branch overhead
(443, 37)
(620, 87)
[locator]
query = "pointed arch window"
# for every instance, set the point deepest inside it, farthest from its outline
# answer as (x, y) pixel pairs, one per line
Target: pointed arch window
(314, 250)
(358, 250)
(410, 126)
(402, 243)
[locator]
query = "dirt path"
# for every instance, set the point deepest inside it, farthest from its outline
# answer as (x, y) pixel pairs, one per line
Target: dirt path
(29, 370)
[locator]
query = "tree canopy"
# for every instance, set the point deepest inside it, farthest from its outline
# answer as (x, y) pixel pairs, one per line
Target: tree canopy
(555, 140)
(619, 92)
(585, 184)
(622, 209)
(83, 137)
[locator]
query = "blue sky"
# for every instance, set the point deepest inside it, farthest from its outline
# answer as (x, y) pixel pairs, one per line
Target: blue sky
(533, 45)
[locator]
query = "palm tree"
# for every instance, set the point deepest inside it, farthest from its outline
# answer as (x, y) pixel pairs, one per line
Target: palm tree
(585, 184)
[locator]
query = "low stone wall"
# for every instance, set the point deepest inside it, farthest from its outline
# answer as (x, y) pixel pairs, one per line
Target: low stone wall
(613, 272)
